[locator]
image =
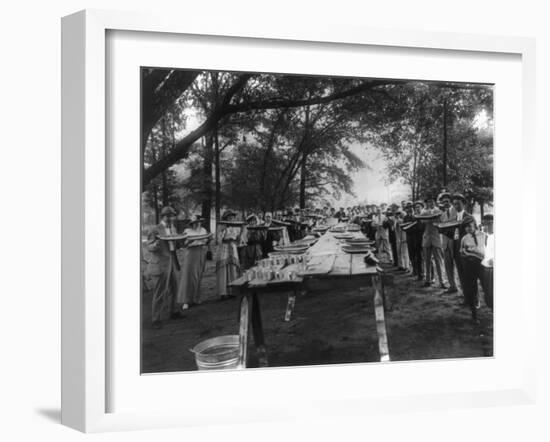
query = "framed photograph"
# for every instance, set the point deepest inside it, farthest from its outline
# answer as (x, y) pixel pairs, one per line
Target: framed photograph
(275, 223)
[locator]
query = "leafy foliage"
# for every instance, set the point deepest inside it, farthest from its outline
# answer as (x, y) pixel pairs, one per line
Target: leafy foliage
(271, 141)
(429, 139)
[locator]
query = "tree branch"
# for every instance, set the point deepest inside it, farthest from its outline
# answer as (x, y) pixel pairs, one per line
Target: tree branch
(278, 103)
(182, 147)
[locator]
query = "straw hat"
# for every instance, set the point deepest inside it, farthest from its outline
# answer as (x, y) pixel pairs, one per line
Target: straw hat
(227, 214)
(459, 196)
(168, 211)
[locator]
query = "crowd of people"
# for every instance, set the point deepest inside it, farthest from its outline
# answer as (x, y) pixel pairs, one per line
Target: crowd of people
(411, 236)
(237, 246)
(437, 237)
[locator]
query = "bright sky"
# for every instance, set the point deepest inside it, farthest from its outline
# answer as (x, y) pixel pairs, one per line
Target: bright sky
(370, 187)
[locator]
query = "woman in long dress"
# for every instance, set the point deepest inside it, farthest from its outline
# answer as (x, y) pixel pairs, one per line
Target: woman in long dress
(194, 261)
(227, 257)
(253, 238)
(272, 236)
(381, 236)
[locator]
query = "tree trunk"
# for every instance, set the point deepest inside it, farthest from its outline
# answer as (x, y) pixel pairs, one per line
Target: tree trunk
(217, 174)
(445, 143)
(414, 178)
(153, 189)
(470, 205)
(291, 170)
(303, 183)
(164, 186)
(156, 203)
(215, 135)
(160, 90)
(268, 149)
(303, 170)
(208, 153)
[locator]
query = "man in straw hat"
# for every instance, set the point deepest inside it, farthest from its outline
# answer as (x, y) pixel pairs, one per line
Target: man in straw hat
(228, 267)
(414, 237)
(459, 204)
(488, 260)
(392, 234)
(162, 267)
(448, 213)
(431, 243)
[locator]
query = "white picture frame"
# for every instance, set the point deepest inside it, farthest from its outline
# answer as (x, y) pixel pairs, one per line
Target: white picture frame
(85, 261)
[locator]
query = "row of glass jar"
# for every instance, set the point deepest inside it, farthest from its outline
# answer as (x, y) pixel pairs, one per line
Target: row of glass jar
(280, 260)
(269, 274)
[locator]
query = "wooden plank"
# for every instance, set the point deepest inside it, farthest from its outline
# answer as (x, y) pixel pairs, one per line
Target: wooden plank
(362, 269)
(239, 282)
(380, 322)
(358, 265)
(290, 306)
(258, 331)
(243, 331)
(276, 284)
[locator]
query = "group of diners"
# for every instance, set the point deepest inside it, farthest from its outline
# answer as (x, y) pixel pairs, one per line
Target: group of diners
(438, 234)
(236, 245)
(408, 236)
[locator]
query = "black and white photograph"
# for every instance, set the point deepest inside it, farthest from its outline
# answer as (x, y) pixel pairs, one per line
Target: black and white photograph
(235, 221)
(300, 220)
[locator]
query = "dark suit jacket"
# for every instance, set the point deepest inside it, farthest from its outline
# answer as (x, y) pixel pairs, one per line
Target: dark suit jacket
(159, 251)
(461, 228)
(461, 233)
(416, 231)
(340, 214)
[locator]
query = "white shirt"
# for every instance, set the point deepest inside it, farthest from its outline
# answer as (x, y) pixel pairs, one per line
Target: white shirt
(489, 251)
(459, 216)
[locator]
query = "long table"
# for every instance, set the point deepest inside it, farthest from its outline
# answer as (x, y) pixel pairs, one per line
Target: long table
(326, 263)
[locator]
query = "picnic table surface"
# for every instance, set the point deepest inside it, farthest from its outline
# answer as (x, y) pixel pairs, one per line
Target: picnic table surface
(325, 259)
(344, 264)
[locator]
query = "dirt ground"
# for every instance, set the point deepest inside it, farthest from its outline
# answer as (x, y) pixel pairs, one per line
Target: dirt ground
(328, 327)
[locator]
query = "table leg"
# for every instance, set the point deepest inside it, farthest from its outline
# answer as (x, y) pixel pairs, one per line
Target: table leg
(244, 320)
(258, 331)
(386, 302)
(290, 306)
(380, 320)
